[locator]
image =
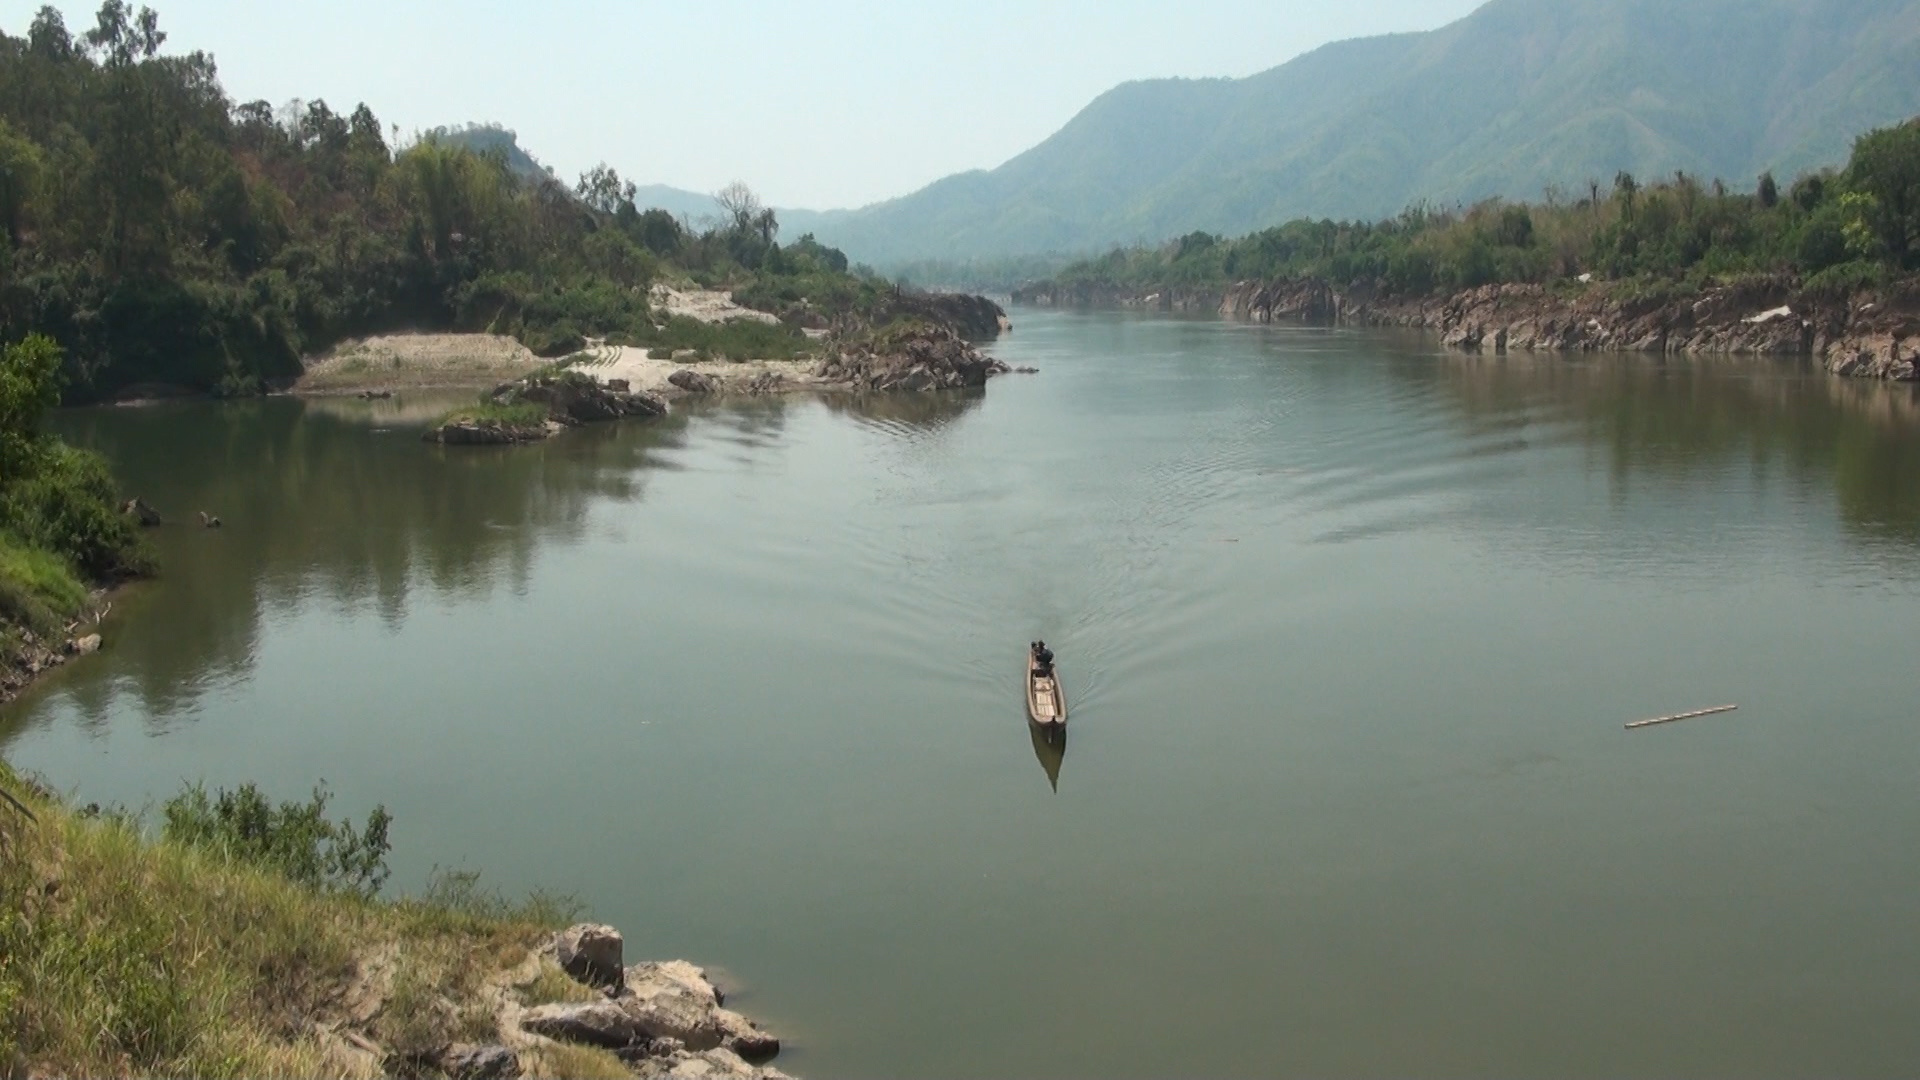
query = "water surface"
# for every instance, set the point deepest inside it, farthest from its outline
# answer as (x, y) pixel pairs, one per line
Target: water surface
(1350, 629)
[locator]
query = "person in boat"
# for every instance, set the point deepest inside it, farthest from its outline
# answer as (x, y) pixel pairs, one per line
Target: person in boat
(1042, 660)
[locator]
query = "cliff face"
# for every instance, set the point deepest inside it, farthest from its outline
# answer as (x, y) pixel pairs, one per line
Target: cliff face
(1868, 335)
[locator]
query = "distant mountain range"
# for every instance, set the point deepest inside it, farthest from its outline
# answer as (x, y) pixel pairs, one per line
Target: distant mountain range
(1520, 95)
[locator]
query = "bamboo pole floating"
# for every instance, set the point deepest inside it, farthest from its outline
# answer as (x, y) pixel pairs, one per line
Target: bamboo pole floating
(1682, 716)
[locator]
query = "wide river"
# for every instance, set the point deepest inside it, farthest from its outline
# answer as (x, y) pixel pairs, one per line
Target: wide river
(1350, 629)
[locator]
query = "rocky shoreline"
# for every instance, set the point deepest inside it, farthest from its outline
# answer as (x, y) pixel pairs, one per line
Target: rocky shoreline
(661, 1020)
(1862, 335)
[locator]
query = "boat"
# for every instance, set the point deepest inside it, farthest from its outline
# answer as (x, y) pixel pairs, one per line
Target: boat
(1046, 703)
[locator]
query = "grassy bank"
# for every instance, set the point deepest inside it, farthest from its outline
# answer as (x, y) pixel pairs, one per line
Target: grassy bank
(199, 951)
(61, 534)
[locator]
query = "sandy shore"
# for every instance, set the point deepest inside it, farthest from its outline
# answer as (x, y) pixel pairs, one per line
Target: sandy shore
(644, 373)
(416, 361)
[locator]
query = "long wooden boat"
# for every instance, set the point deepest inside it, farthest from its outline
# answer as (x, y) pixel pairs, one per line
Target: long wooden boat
(1046, 702)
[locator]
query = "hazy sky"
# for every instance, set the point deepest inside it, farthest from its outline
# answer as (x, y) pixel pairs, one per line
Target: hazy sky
(815, 104)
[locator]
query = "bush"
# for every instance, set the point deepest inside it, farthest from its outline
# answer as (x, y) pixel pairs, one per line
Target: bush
(293, 838)
(65, 505)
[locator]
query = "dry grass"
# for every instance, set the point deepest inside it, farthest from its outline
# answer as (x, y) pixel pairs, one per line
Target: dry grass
(558, 1061)
(120, 955)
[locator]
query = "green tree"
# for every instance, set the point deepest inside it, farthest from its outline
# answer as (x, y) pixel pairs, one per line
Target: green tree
(29, 386)
(1886, 168)
(21, 168)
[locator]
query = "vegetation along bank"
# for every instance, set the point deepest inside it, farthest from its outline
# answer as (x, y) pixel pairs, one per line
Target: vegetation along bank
(166, 237)
(1829, 268)
(245, 937)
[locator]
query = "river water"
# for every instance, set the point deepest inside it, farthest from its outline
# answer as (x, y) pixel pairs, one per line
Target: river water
(1350, 629)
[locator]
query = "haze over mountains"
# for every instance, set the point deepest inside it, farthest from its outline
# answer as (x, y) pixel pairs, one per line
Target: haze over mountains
(1518, 96)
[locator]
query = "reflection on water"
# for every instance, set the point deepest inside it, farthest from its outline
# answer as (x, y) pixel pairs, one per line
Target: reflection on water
(329, 503)
(1354, 625)
(1050, 747)
(1669, 419)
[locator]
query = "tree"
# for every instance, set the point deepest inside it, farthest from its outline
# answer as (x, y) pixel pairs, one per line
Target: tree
(1769, 191)
(601, 188)
(740, 205)
(20, 171)
(1886, 169)
(658, 232)
(138, 141)
(29, 386)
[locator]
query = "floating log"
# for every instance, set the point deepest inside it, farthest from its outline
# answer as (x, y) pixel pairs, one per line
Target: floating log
(1682, 716)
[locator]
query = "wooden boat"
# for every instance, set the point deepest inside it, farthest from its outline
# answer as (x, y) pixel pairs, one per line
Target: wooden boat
(1046, 703)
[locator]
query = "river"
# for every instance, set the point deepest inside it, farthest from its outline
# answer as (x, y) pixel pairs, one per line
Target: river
(1350, 629)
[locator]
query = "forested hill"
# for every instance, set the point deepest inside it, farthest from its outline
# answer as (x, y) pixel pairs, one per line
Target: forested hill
(1520, 95)
(159, 232)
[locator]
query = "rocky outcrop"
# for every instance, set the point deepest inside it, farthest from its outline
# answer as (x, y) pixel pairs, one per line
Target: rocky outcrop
(1863, 335)
(574, 397)
(663, 1019)
(692, 382)
(143, 515)
(920, 357)
(568, 398)
(463, 1061)
(591, 954)
(470, 431)
(974, 318)
(1310, 300)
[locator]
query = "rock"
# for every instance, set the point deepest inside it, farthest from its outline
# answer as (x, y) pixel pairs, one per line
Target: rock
(579, 397)
(592, 954)
(145, 516)
(693, 382)
(620, 386)
(675, 1000)
(489, 433)
(464, 1061)
(85, 646)
(703, 1065)
(605, 1024)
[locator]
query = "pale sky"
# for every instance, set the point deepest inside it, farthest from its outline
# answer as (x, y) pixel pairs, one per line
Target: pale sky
(815, 104)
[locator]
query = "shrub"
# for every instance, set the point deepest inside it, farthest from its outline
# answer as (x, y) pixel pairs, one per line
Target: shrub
(65, 504)
(294, 838)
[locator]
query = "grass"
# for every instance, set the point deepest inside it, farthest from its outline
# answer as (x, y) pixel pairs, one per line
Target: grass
(36, 588)
(121, 954)
(521, 414)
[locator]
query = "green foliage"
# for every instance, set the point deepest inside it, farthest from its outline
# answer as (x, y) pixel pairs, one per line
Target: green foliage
(1856, 226)
(207, 244)
(37, 590)
(66, 504)
(459, 893)
(29, 386)
(488, 411)
(294, 839)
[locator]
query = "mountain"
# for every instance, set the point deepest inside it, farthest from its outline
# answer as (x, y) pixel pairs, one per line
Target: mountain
(1520, 95)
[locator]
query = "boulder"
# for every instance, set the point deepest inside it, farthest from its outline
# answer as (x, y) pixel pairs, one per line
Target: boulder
(675, 1000)
(464, 1061)
(145, 516)
(592, 954)
(703, 1065)
(595, 1023)
(693, 382)
(620, 386)
(85, 646)
(488, 433)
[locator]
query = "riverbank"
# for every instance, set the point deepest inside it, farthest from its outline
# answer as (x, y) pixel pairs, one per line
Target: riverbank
(1862, 334)
(129, 956)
